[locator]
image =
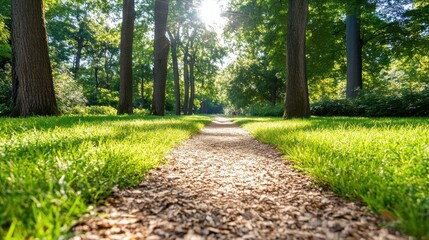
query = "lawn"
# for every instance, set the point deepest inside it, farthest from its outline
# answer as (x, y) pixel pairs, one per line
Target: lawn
(383, 162)
(52, 169)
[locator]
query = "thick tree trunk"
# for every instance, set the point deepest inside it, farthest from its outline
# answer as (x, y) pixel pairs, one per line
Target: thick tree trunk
(186, 80)
(33, 92)
(354, 56)
(297, 102)
(126, 59)
(173, 40)
(161, 48)
(192, 85)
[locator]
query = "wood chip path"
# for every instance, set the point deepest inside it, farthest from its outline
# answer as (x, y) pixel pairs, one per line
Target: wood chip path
(223, 184)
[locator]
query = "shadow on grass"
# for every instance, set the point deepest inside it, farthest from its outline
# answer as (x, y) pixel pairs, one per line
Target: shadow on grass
(62, 169)
(387, 169)
(19, 125)
(340, 122)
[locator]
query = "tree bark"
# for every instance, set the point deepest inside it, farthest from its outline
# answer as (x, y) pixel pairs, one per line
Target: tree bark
(126, 59)
(192, 85)
(297, 102)
(80, 42)
(173, 39)
(97, 81)
(354, 56)
(142, 92)
(186, 80)
(161, 48)
(33, 92)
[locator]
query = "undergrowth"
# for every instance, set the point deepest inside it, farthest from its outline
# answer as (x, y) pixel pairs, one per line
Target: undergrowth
(383, 162)
(52, 169)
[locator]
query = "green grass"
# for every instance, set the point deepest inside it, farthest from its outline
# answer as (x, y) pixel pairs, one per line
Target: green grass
(383, 162)
(52, 169)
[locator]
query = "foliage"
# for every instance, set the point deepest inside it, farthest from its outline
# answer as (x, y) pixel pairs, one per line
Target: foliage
(69, 94)
(383, 162)
(53, 168)
(394, 35)
(403, 103)
(143, 112)
(264, 110)
(5, 49)
(249, 81)
(107, 97)
(5, 90)
(92, 110)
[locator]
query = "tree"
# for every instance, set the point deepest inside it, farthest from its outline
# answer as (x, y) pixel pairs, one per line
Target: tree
(174, 39)
(297, 102)
(33, 88)
(161, 48)
(354, 49)
(186, 78)
(126, 59)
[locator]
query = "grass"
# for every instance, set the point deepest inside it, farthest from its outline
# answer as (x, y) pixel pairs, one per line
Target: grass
(52, 169)
(383, 162)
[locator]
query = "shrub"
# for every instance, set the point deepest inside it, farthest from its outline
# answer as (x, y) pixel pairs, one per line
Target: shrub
(143, 112)
(5, 90)
(93, 110)
(68, 93)
(108, 97)
(336, 107)
(264, 110)
(403, 103)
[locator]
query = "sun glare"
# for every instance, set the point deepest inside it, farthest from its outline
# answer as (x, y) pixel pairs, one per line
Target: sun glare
(210, 12)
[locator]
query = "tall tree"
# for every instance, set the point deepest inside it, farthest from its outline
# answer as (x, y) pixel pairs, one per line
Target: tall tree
(297, 102)
(126, 59)
(33, 88)
(174, 39)
(161, 48)
(354, 49)
(191, 84)
(186, 78)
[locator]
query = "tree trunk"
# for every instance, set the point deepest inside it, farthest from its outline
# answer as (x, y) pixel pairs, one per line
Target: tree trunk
(33, 84)
(161, 48)
(354, 56)
(192, 85)
(142, 92)
(97, 81)
(273, 92)
(173, 40)
(186, 80)
(126, 59)
(297, 102)
(80, 41)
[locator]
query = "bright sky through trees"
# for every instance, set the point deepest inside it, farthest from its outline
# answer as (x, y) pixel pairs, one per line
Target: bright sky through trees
(210, 13)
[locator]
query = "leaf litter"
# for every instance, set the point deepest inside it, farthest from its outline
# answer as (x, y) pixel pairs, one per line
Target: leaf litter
(224, 184)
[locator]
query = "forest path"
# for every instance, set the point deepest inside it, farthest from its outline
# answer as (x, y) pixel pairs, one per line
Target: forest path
(224, 184)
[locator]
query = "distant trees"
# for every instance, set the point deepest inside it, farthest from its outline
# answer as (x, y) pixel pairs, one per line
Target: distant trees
(350, 45)
(174, 40)
(33, 89)
(297, 103)
(126, 59)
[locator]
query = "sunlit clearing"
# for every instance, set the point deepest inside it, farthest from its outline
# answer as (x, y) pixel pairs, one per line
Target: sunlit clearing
(210, 12)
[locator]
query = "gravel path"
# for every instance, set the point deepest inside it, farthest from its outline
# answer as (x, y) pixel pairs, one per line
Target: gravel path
(223, 184)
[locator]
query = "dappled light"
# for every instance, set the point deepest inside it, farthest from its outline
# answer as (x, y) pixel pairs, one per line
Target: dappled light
(121, 119)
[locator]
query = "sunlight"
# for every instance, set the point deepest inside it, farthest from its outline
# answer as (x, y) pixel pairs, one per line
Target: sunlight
(210, 13)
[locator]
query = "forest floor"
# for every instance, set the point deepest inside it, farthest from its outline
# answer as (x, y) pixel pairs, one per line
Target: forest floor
(224, 184)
